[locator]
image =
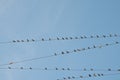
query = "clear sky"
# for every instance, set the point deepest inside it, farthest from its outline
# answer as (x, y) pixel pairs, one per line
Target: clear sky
(22, 19)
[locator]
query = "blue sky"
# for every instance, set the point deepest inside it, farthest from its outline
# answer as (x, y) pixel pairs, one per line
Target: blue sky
(22, 19)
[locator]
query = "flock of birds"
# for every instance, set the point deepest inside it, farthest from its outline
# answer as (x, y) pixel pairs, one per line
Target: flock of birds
(117, 71)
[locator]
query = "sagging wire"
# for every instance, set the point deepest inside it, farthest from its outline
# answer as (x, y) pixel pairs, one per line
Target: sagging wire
(62, 38)
(63, 52)
(88, 76)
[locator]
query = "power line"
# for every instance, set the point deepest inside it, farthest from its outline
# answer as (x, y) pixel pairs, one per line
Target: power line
(63, 52)
(62, 38)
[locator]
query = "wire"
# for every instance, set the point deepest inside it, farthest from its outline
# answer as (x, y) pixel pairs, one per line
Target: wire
(5, 42)
(63, 52)
(62, 38)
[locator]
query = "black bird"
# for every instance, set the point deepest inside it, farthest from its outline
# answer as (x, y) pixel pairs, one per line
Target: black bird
(22, 40)
(42, 39)
(33, 40)
(14, 41)
(18, 40)
(58, 38)
(90, 75)
(27, 40)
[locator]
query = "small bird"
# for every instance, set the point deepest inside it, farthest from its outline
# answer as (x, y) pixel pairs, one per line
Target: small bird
(14, 41)
(33, 40)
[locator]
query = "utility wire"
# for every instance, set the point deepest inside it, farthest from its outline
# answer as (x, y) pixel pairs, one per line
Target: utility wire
(63, 52)
(62, 38)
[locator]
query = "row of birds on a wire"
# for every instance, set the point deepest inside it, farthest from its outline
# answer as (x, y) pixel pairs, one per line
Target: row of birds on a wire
(62, 53)
(93, 75)
(63, 38)
(60, 69)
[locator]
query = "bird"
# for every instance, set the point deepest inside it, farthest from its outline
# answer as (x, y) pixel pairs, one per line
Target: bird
(27, 40)
(58, 38)
(33, 40)
(22, 40)
(42, 39)
(89, 75)
(14, 41)
(18, 41)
